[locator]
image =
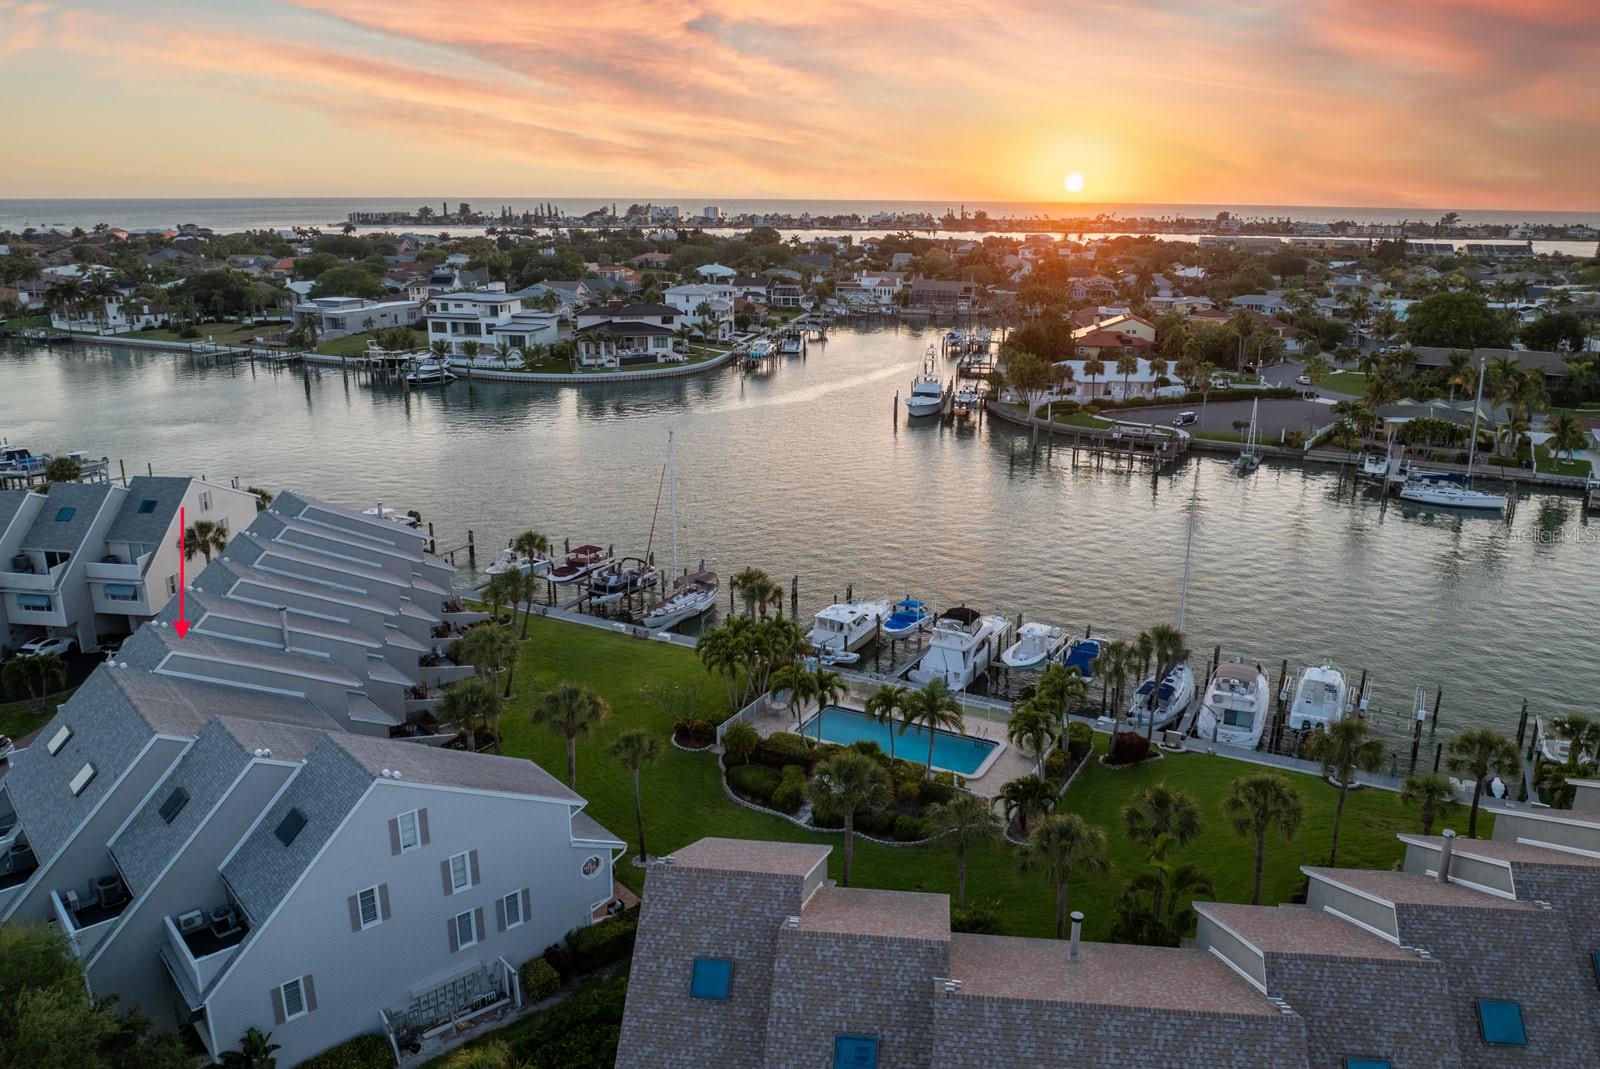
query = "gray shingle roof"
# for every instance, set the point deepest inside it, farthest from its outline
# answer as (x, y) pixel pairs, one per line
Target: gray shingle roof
(10, 504)
(148, 528)
(751, 855)
(417, 763)
(66, 535)
(591, 830)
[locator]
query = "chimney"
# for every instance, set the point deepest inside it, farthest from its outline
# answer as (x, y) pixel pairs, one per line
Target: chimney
(283, 618)
(1445, 850)
(1077, 931)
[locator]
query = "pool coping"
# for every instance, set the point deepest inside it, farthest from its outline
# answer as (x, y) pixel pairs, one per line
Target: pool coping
(978, 773)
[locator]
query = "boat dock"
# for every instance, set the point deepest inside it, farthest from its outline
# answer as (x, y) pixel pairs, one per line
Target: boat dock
(1591, 493)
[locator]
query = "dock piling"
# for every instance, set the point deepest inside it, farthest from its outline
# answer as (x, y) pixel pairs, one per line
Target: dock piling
(1522, 723)
(1438, 696)
(472, 551)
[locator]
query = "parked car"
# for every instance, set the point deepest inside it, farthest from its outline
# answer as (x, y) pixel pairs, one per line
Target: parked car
(49, 644)
(1184, 418)
(1220, 383)
(1304, 380)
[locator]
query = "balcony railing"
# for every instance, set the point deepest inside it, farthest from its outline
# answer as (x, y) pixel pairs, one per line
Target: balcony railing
(118, 571)
(200, 943)
(11, 579)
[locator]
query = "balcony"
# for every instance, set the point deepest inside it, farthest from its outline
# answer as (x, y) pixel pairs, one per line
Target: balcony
(199, 944)
(23, 575)
(423, 1025)
(17, 862)
(87, 913)
(116, 570)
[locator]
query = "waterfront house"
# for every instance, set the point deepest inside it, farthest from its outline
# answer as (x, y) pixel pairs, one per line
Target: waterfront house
(652, 261)
(942, 296)
(619, 335)
(113, 315)
(92, 561)
(1553, 366)
(339, 317)
(715, 272)
(1479, 954)
(785, 295)
(241, 829)
(570, 294)
(1197, 316)
(489, 317)
(705, 306)
(1109, 383)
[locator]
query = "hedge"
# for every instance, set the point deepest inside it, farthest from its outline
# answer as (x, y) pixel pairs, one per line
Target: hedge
(1080, 738)
(539, 980)
(603, 943)
(791, 792)
(370, 1051)
(758, 783)
(579, 1032)
(785, 748)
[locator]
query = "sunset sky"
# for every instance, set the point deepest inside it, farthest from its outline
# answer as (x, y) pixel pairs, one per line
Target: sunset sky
(1452, 103)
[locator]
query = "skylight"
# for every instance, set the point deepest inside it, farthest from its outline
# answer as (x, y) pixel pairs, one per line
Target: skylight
(148, 505)
(58, 740)
(174, 804)
(1501, 1023)
(855, 1052)
(65, 513)
(711, 978)
(84, 777)
(290, 826)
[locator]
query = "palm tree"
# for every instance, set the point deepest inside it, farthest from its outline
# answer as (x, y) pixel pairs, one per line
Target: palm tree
(440, 349)
(1093, 367)
(469, 703)
(800, 686)
(490, 648)
(1157, 906)
(1482, 754)
(1060, 689)
(256, 1051)
(842, 786)
(739, 741)
(966, 820)
(1432, 794)
(721, 651)
(827, 687)
(1582, 734)
(37, 673)
(1161, 818)
(263, 497)
(1033, 728)
(1347, 746)
(1566, 434)
(636, 748)
(935, 709)
(571, 710)
(501, 590)
(470, 350)
(1059, 844)
(1254, 805)
(885, 706)
(1460, 372)
(531, 544)
(1114, 664)
(1029, 796)
(502, 352)
(1168, 647)
(205, 537)
(1127, 364)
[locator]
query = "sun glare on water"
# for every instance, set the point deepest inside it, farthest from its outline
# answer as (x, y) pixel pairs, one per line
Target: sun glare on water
(1073, 182)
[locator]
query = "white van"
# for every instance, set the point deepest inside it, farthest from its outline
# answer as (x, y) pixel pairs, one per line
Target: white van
(1183, 419)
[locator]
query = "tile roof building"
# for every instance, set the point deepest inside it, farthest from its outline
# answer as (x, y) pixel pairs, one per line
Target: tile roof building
(748, 958)
(249, 826)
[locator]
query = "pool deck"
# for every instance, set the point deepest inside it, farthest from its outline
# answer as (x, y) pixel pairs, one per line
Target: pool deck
(1007, 764)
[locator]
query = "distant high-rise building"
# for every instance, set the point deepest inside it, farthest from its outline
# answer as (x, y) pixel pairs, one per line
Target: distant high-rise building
(712, 212)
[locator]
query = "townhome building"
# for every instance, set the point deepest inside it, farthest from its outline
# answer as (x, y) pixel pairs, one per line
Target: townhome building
(339, 317)
(489, 317)
(252, 826)
(1477, 954)
(92, 561)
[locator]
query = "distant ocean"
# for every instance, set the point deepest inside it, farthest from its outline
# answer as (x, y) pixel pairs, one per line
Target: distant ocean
(256, 213)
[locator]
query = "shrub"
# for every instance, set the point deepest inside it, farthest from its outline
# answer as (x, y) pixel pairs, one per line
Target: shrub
(1080, 739)
(1128, 747)
(909, 789)
(909, 829)
(1057, 765)
(784, 748)
(560, 959)
(871, 749)
(940, 789)
(758, 783)
(878, 823)
(189, 331)
(370, 1051)
(603, 943)
(579, 1032)
(739, 742)
(978, 919)
(791, 790)
(539, 979)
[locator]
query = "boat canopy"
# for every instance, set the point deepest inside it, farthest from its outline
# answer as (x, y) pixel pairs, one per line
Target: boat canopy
(962, 615)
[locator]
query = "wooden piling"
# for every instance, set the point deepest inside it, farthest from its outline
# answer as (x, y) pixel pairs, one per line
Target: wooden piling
(472, 551)
(1438, 754)
(1438, 696)
(1522, 723)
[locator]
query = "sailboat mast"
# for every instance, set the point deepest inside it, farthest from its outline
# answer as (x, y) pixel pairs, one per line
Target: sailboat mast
(1477, 407)
(1188, 547)
(672, 468)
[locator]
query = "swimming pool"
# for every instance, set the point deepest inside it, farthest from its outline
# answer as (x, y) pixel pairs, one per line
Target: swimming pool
(964, 755)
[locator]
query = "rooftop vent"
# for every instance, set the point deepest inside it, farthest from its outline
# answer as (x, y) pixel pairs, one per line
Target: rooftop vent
(1446, 849)
(792, 922)
(1077, 932)
(952, 986)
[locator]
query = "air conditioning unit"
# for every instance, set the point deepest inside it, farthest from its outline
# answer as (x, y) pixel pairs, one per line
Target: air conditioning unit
(71, 901)
(192, 921)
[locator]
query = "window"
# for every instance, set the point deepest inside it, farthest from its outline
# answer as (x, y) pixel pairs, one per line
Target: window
(290, 826)
(121, 592)
(367, 907)
(710, 978)
(84, 777)
(511, 906)
(466, 930)
(406, 826)
(58, 740)
(174, 804)
(293, 994)
(35, 602)
(1501, 1023)
(460, 873)
(591, 866)
(855, 1052)
(147, 506)
(205, 501)
(65, 513)
(1365, 1063)
(172, 584)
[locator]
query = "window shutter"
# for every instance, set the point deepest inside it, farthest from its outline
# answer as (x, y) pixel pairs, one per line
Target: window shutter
(478, 928)
(355, 913)
(455, 937)
(277, 1005)
(472, 860)
(422, 826)
(525, 905)
(500, 914)
(310, 989)
(444, 867)
(383, 900)
(394, 835)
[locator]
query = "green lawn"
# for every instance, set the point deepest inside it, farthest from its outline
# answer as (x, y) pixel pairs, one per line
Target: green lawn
(1350, 382)
(1550, 463)
(684, 801)
(21, 718)
(221, 333)
(1219, 436)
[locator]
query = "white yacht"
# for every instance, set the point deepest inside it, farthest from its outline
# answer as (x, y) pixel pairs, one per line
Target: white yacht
(1234, 710)
(409, 518)
(960, 648)
(1320, 698)
(510, 560)
(1172, 698)
(927, 390)
(430, 372)
(1035, 643)
(846, 626)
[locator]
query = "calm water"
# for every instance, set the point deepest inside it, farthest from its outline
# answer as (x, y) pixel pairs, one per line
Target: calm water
(808, 470)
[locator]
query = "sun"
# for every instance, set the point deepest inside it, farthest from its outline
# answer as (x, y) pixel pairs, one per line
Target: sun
(1073, 182)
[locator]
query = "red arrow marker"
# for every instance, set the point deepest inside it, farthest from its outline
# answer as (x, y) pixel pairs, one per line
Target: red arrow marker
(181, 625)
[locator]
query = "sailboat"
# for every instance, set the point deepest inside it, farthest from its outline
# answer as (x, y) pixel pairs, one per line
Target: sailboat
(1436, 488)
(1163, 701)
(692, 594)
(1250, 459)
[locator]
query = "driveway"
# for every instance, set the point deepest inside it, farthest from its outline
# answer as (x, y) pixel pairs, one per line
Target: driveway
(1274, 416)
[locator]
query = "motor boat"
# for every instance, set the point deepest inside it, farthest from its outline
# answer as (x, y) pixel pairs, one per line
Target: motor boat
(15, 460)
(1375, 466)
(620, 579)
(1321, 697)
(760, 349)
(509, 560)
(1434, 488)
(837, 657)
(688, 597)
(1172, 698)
(953, 341)
(907, 616)
(846, 626)
(578, 564)
(927, 390)
(1080, 654)
(961, 647)
(1554, 746)
(1234, 710)
(966, 400)
(430, 372)
(1034, 645)
(409, 518)
(791, 344)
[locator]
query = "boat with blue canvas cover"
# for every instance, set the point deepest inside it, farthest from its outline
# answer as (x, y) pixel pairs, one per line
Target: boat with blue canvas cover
(1172, 698)
(1081, 653)
(908, 616)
